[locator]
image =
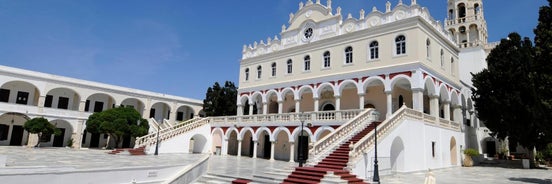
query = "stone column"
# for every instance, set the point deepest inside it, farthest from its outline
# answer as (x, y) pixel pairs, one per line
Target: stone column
(239, 110)
(239, 147)
(337, 103)
(446, 110)
(82, 105)
(224, 148)
(280, 107)
(272, 143)
(265, 108)
(77, 134)
(388, 94)
(297, 106)
(33, 139)
(418, 100)
(316, 104)
(457, 111)
(361, 101)
(255, 149)
(291, 152)
(251, 108)
(434, 105)
(41, 101)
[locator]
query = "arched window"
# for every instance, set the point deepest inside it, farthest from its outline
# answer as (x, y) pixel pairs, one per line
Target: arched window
(246, 74)
(349, 55)
(374, 50)
(273, 66)
(400, 45)
(442, 58)
(327, 59)
(259, 72)
(307, 63)
(461, 10)
(476, 10)
(289, 66)
(428, 48)
(451, 14)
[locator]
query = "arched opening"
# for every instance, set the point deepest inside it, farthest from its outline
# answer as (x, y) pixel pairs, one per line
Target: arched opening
(453, 152)
(184, 113)
(99, 102)
(474, 34)
(349, 96)
(374, 96)
(401, 101)
(489, 145)
(401, 90)
(281, 149)
(216, 147)
(61, 140)
(272, 100)
(323, 134)
(257, 103)
(19, 92)
(461, 10)
(302, 140)
(233, 143)
(264, 145)
(247, 144)
(397, 154)
(451, 14)
(160, 111)
(134, 103)
(62, 98)
(328, 107)
(288, 101)
(12, 132)
(197, 144)
(476, 10)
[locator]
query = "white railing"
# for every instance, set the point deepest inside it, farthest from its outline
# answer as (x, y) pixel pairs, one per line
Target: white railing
(322, 148)
(152, 137)
(384, 128)
(287, 117)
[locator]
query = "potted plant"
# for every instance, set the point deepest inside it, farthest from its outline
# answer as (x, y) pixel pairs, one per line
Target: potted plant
(469, 153)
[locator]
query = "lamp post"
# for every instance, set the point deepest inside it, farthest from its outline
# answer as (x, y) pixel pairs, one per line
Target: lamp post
(301, 156)
(376, 172)
(157, 142)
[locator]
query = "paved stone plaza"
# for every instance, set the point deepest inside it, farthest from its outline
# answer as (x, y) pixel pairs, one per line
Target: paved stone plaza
(45, 160)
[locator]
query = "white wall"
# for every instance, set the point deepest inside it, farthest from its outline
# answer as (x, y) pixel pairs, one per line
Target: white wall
(181, 142)
(471, 60)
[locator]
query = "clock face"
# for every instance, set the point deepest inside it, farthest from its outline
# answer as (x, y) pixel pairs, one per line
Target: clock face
(308, 33)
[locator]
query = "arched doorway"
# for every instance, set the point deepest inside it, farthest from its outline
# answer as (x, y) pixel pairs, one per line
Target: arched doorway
(233, 143)
(61, 140)
(397, 154)
(216, 148)
(12, 132)
(453, 154)
(328, 107)
(197, 144)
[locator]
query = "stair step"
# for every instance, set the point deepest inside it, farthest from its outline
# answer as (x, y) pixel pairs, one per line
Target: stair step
(300, 181)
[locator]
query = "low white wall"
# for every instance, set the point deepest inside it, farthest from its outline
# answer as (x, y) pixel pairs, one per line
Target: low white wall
(181, 143)
(408, 148)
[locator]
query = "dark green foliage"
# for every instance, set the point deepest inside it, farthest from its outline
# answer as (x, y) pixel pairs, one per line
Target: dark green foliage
(471, 152)
(118, 122)
(220, 101)
(514, 95)
(40, 126)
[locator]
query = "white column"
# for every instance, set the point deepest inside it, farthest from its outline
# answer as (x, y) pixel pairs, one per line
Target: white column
(361, 101)
(291, 152)
(255, 149)
(337, 103)
(418, 100)
(297, 106)
(446, 110)
(389, 104)
(280, 107)
(272, 143)
(457, 113)
(239, 148)
(316, 104)
(224, 149)
(265, 108)
(41, 101)
(251, 109)
(434, 105)
(240, 110)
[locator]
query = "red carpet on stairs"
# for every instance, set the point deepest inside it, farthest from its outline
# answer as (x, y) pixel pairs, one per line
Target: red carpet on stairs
(336, 162)
(241, 181)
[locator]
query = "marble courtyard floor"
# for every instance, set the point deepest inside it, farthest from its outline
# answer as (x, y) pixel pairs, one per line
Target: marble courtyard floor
(23, 159)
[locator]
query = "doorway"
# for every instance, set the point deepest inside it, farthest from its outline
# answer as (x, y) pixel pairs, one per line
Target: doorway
(266, 147)
(16, 136)
(95, 140)
(58, 139)
(491, 148)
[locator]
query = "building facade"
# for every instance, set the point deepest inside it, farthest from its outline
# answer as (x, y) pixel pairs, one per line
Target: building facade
(67, 103)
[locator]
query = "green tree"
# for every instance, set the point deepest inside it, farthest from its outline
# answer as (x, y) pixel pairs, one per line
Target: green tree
(40, 126)
(514, 95)
(118, 122)
(220, 101)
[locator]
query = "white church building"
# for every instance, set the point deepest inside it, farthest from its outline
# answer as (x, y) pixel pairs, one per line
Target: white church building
(318, 87)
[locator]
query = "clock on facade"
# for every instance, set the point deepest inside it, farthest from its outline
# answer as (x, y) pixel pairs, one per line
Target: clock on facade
(308, 33)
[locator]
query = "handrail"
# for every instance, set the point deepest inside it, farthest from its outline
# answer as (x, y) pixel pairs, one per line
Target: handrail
(322, 147)
(286, 117)
(386, 126)
(140, 141)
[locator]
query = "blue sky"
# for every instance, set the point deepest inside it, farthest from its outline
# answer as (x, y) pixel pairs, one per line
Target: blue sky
(177, 47)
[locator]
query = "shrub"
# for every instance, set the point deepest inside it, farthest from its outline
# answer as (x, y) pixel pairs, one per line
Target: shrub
(471, 152)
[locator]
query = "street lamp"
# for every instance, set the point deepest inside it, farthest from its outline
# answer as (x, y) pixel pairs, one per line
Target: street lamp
(301, 154)
(157, 142)
(376, 172)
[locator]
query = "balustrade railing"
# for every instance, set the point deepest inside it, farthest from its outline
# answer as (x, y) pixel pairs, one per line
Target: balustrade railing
(287, 117)
(152, 137)
(322, 148)
(384, 128)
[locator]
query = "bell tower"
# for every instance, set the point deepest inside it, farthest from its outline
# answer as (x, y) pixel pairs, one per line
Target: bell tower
(466, 23)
